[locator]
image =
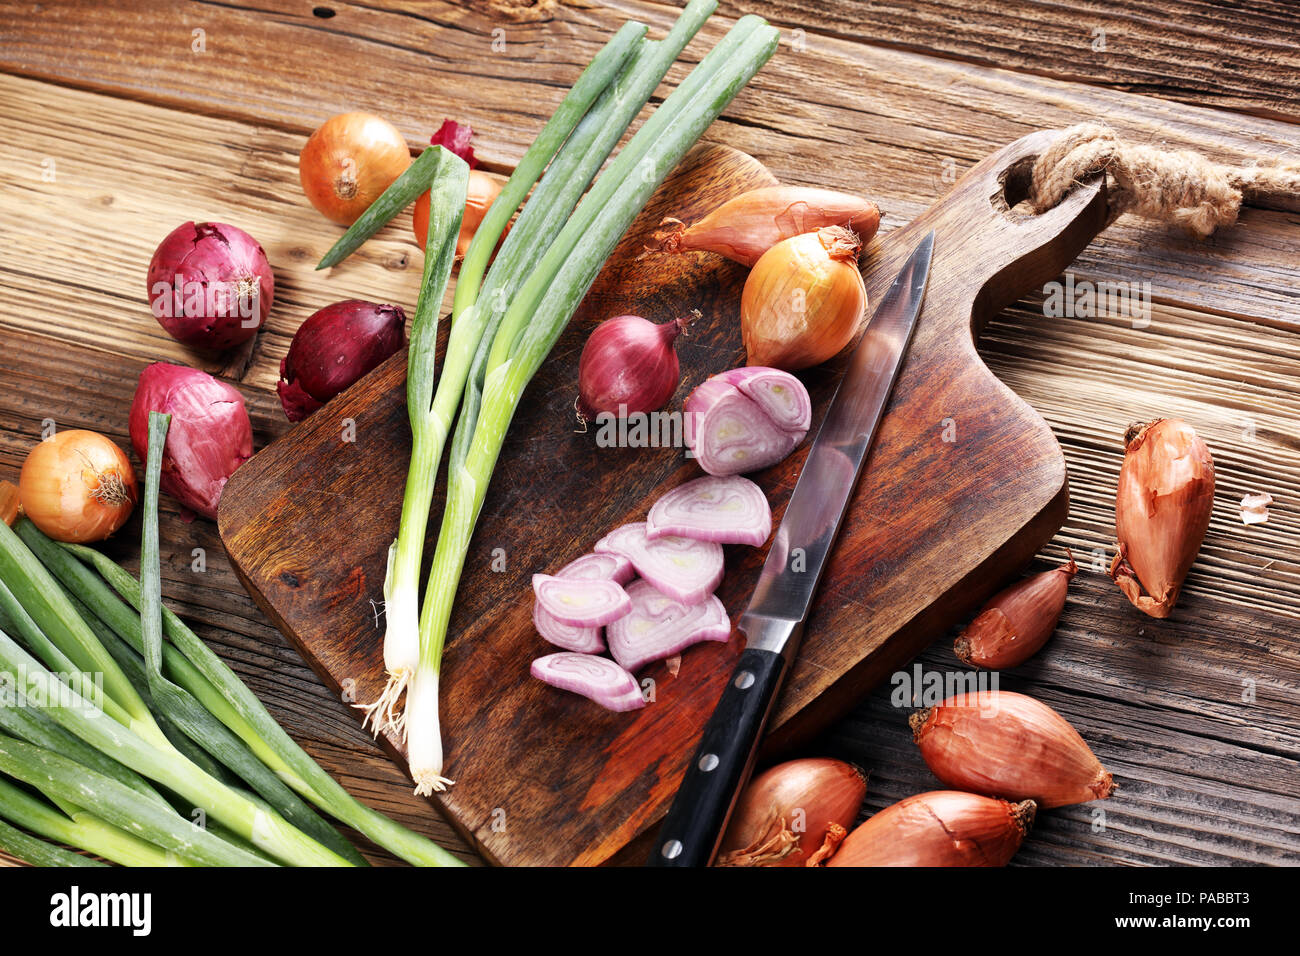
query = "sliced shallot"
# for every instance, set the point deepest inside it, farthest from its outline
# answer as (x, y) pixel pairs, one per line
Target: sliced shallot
(659, 626)
(580, 602)
(597, 678)
(599, 567)
(685, 570)
(726, 509)
(583, 640)
(746, 419)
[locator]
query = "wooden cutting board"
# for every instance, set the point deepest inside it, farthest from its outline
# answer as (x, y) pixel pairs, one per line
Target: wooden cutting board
(965, 483)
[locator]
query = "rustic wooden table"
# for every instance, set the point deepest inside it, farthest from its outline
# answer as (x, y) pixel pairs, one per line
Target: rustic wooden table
(122, 119)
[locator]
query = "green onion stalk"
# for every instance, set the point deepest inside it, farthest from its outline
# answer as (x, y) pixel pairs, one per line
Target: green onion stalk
(431, 415)
(536, 317)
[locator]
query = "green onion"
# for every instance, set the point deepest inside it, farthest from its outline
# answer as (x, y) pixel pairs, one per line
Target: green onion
(536, 318)
(118, 805)
(37, 852)
(431, 416)
(192, 664)
(181, 708)
(81, 829)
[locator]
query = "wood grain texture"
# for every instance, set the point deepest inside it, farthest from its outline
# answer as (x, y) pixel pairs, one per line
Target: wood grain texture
(899, 126)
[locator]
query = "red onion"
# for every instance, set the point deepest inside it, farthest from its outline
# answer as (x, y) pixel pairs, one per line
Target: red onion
(455, 138)
(729, 510)
(685, 570)
(210, 434)
(607, 566)
(746, 419)
(335, 347)
(583, 640)
(659, 627)
(210, 285)
(629, 364)
(598, 678)
(580, 602)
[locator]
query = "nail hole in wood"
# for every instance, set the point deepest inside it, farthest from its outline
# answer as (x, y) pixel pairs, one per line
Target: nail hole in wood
(323, 12)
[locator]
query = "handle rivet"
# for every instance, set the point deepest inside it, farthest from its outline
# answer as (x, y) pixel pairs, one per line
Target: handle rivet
(709, 762)
(672, 850)
(744, 680)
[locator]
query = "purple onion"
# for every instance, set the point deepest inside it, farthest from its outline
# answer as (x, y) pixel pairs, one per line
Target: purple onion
(210, 285)
(334, 348)
(746, 419)
(685, 570)
(580, 602)
(598, 678)
(659, 626)
(210, 434)
(628, 365)
(727, 509)
(607, 566)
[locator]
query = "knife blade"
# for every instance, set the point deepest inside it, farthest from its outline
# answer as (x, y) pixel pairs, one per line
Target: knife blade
(774, 620)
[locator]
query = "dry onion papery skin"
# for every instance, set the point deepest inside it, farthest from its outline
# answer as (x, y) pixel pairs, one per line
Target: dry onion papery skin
(1162, 511)
(1016, 622)
(8, 502)
(803, 301)
(745, 227)
(792, 812)
(939, 828)
(348, 162)
(1008, 745)
(77, 486)
(483, 191)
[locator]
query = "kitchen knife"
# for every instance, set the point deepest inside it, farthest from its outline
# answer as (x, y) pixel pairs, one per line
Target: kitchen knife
(773, 623)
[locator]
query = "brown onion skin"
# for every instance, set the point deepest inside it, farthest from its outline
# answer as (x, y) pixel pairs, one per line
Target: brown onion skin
(819, 271)
(1162, 511)
(939, 828)
(332, 349)
(744, 228)
(348, 162)
(1016, 622)
(483, 191)
(826, 792)
(8, 502)
(1011, 746)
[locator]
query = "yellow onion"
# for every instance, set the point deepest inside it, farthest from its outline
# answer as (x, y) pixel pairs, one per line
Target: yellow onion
(1162, 511)
(1009, 745)
(793, 814)
(939, 828)
(8, 502)
(803, 300)
(77, 486)
(348, 162)
(1016, 622)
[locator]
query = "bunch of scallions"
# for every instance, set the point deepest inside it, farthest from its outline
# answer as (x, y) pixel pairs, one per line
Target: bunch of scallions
(506, 319)
(122, 734)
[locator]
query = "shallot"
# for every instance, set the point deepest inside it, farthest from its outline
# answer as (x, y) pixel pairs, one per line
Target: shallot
(597, 678)
(728, 510)
(628, 365)
(607, 566)
(939, 828)
(583, 640)
(793, 814)
(659, 626)
(1162, 511)
(685, 570)
(804, 300)
(210, 285)
(1016, 622)
(746, 419)
(581, 602)
(1009, 745)
(744, 228)
(332, 349)
(210, 434)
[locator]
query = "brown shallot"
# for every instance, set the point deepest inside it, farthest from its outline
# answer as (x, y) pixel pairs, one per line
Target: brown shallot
(8, 502)
(1162, 511)
(1016, 622)
(1011, 746)
(793, 814)
(744, 228)
(939, 828)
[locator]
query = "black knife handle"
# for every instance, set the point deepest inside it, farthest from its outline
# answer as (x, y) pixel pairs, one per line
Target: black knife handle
(698, 817)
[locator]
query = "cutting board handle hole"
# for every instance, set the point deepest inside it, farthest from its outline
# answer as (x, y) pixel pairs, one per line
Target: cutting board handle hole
(1015, 181)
